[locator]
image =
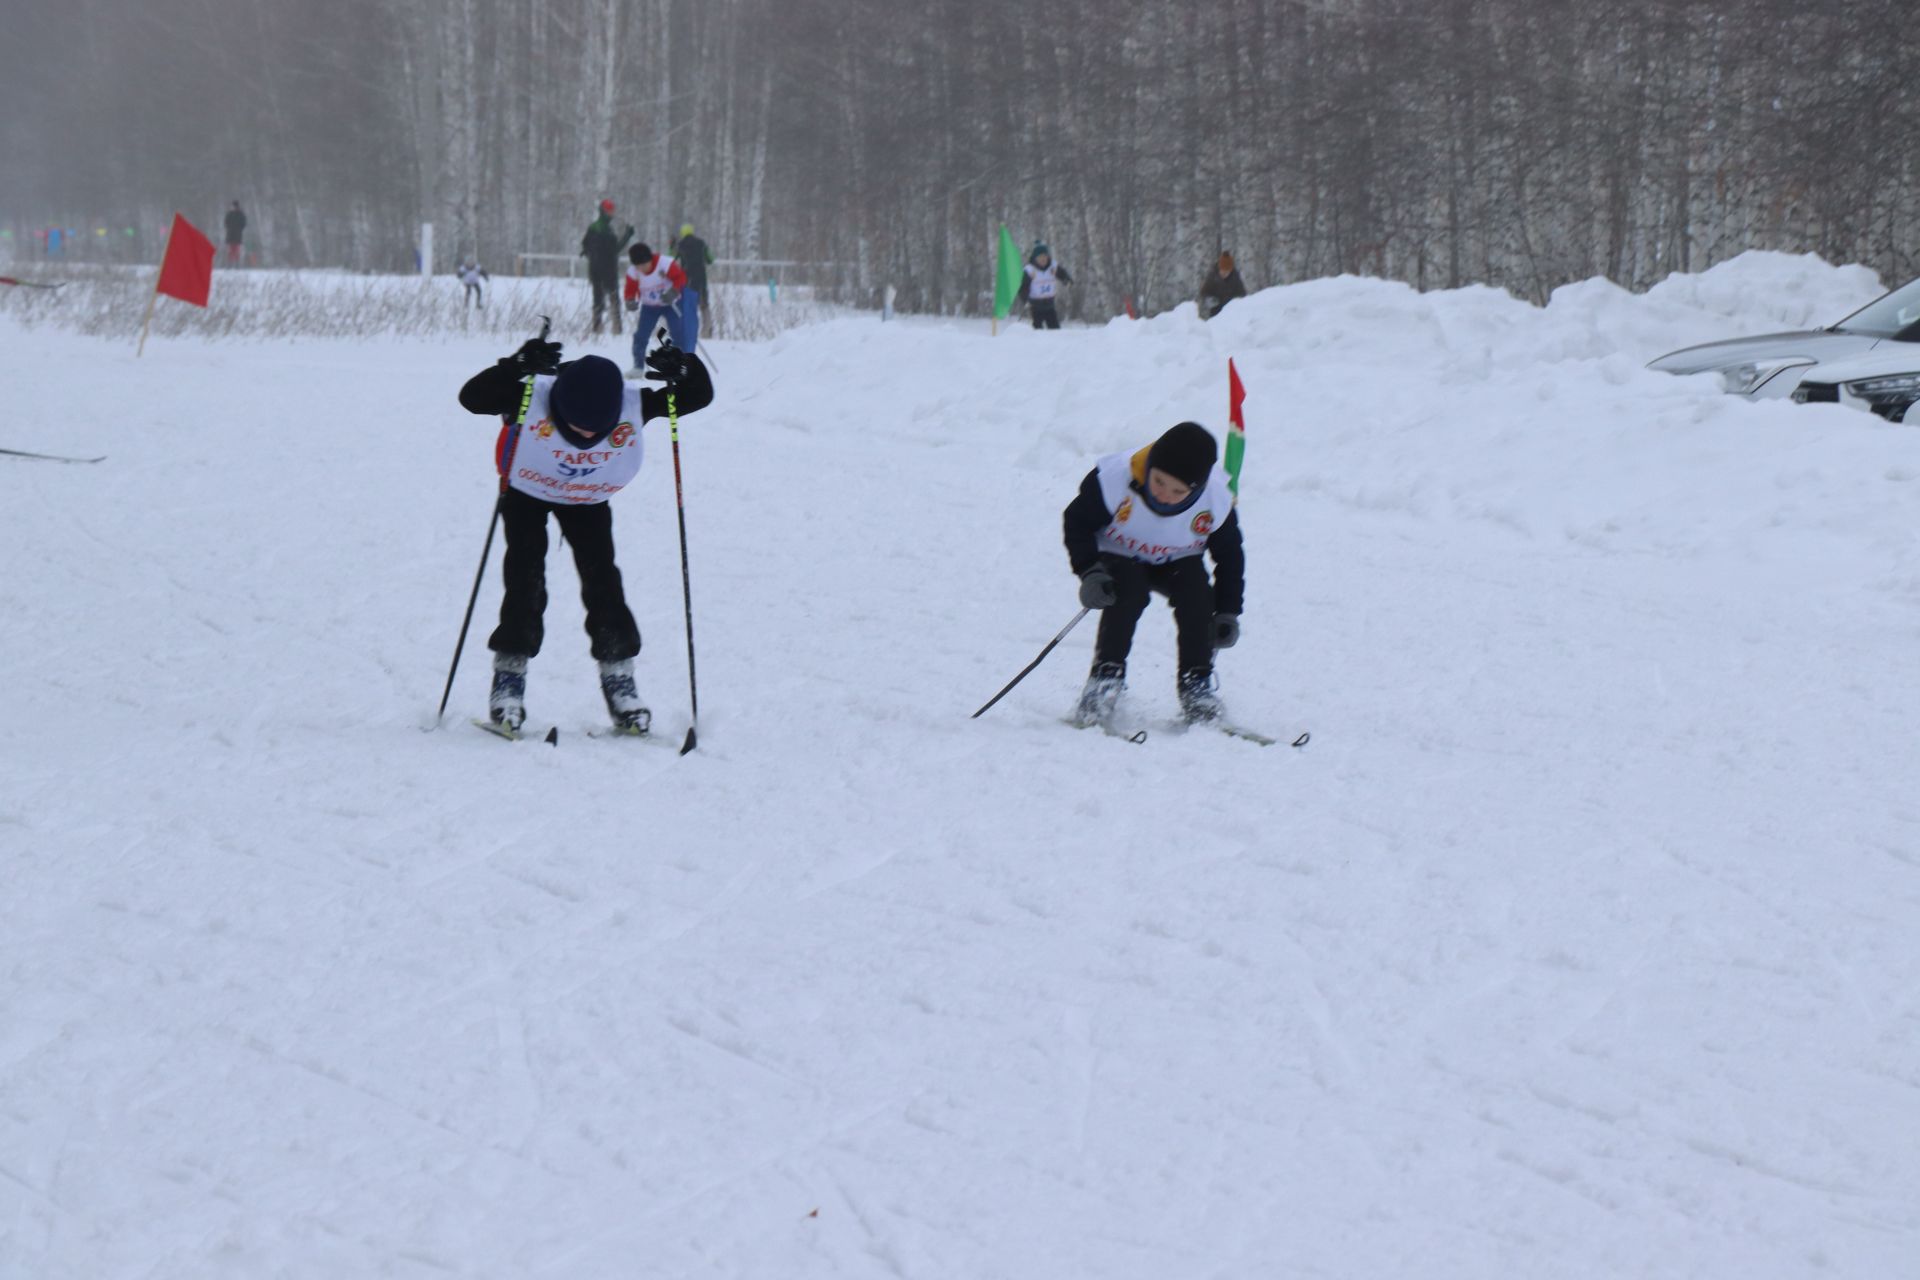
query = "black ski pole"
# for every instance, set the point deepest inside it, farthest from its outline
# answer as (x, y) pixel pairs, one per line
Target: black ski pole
(48, 457)
(493, 520)
(1031, 665)
(459, 646)
(686, 578)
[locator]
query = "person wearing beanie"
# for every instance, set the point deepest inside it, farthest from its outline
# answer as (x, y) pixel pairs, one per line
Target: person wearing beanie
(601, 247)
(571, 438)
(1039, 285)
(655, 283)
(694, 257)
(1221, 286)
(1139, 525)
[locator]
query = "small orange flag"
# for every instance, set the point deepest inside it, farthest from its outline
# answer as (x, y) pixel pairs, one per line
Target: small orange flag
(186, 272)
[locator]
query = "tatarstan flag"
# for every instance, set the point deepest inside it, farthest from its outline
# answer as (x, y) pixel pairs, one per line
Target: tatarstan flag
(1236, 427)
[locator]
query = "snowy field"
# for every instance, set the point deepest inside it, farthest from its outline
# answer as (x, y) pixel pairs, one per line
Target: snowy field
(1583, 940)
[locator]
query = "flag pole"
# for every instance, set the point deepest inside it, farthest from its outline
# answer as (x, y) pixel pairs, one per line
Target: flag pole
(994, 257)
(156, 294)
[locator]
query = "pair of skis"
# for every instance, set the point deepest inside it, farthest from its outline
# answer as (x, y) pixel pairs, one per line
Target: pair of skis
(552, 736)
(1137, 734)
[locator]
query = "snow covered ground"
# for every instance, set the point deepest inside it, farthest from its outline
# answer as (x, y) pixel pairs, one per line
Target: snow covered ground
(1580, 941)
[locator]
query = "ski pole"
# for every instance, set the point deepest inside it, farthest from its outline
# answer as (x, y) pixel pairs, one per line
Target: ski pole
(493, 519)
(1031, 665)
(686, 579)
(48, 457)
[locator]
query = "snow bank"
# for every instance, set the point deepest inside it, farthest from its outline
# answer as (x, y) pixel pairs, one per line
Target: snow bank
(1577, 943)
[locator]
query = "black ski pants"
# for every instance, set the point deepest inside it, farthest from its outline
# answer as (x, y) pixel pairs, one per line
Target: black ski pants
(588, 529)
(1188, 589)
(606, 296)
(1045, 314)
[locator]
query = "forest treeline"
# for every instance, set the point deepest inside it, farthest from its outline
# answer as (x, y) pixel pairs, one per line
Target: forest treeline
(1518, 143)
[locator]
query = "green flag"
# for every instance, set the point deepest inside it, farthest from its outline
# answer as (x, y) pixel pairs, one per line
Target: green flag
(1006, 275)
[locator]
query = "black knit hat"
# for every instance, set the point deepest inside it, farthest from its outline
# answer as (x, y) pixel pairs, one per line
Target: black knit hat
(587, 395)
(1186, 452)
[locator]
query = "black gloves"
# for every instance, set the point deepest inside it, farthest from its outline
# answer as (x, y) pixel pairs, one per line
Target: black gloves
(633, 304)
(1226, 630)
(535, 356)
(669, 364)
(1097, 589)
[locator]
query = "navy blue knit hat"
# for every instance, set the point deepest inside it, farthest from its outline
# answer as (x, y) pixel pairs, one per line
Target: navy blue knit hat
(1186, 452)
(587, 395)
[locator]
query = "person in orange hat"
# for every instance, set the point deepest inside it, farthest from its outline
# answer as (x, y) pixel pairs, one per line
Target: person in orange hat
(1222, 285)
(601, 248)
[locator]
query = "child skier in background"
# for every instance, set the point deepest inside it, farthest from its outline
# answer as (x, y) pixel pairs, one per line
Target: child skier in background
(654, 282)
(470, 276)
(1038, 286)
(1139, 525)
(571, 440)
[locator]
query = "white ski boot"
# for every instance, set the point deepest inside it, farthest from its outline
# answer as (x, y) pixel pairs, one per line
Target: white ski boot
(507, 704)
(630, 714)
(1199, 703)
(1100, 695)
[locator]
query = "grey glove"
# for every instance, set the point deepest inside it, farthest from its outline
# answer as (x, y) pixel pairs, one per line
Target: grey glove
(633, 304)
(1097, 589)
(1226, 630)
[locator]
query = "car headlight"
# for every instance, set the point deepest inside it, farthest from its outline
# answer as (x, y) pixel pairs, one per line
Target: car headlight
(1745, 379)
(1890, 396)
(1900, 386)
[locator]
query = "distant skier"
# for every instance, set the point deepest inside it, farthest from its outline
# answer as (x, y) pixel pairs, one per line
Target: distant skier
(654, 285)
(1139, 525)
(694, 257)
(471, 277)
(571, 440)
(1042, 281)
(601, 247)
(236, 235)
(1222, 285)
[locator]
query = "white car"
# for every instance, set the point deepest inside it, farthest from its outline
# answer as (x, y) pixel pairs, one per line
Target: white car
(1871, 359)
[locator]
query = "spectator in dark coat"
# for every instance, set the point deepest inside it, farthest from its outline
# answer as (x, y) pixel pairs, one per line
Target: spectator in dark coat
(601, 247)
(236, 234)
(1222, 285)
(694, 257)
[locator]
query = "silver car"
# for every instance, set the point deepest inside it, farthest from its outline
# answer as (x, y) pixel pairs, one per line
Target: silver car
(1875, 351)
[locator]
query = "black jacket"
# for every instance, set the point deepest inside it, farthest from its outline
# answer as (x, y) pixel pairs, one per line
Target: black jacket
(694, 256)
(1087, 515)
(236, 226)
(601, 248)
(1026, 281)
(498, 391)
(1219, 290)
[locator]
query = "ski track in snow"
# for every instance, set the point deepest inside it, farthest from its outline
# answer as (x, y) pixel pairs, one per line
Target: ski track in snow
(1578, 943)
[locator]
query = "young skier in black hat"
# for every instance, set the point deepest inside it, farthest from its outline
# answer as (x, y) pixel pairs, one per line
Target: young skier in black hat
(1139, 525)
(571, 440)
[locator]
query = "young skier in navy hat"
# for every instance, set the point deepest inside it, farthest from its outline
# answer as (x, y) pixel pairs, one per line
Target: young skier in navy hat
(572, 440)
(1139, 525)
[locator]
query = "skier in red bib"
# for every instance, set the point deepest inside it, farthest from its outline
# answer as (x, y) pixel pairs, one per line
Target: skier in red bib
(571, 440)
(1139, 525)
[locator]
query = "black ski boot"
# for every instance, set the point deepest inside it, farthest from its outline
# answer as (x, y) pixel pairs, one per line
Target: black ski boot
(1100, 695)
(1198, 701)
(507, 704)
(630, 714)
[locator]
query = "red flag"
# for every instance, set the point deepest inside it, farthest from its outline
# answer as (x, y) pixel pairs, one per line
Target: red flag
(186, 272)
(1236, 396)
